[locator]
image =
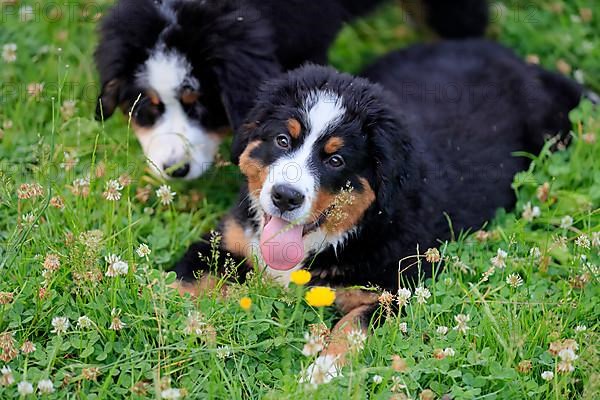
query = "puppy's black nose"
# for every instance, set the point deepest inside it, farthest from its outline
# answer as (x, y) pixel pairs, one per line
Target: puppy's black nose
(177, 170)
(286, 198)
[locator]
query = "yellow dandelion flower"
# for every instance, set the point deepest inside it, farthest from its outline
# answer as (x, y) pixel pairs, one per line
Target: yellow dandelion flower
(320, 296)
(246, 303)
(300, 277)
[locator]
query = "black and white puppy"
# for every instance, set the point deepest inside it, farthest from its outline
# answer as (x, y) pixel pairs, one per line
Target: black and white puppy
(189, 69)
(345, 178)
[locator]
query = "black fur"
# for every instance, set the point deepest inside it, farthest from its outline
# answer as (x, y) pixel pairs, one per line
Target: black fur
(437, 141)
(457, 19)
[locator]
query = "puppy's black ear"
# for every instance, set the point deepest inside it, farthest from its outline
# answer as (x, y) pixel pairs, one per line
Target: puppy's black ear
(240, 140)
(395, 167)
(239, 80)
(246, 59)
(108, 100)
(240, 77)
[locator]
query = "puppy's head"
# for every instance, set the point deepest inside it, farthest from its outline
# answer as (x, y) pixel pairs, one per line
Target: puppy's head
(176, 68)
(320, 150)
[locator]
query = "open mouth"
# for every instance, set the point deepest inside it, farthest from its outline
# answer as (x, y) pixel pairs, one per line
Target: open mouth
(306, 228)
(281, 241)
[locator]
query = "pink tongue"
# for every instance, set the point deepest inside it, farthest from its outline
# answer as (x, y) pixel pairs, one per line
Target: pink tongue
(281, 244)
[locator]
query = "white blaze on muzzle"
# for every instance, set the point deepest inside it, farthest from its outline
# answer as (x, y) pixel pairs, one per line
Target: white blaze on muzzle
(282, 243)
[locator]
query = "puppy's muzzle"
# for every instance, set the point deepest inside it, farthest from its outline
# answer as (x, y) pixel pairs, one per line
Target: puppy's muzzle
(286, 198)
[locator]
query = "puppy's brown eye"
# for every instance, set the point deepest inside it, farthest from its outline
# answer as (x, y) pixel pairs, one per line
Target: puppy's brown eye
(282, 141)
(335, 161)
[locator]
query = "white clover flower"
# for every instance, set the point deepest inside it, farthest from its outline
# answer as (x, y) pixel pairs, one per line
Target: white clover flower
(84, 322)
(113, 190)
(403, 296)
(499, 260)
(567, 355)
(566, 222)
(442, 330)
(165, 195)
(403, 327)
(314, 344)
(194, 324)
(116, 323)
(24, 388)
(397, 384)
(116, 266)
(356, 339)
(121, 268)
(449, 352)
(422, 294)
(514, 280)
(462, 323)
(377, 379)
(112, 258)
(45, 386)
(547, 375)
(535, 253)
(29, 219)
(565, 367)
(530, 212)
(170, 394)
(9, 53)
(7, 377)
(60, 324)
(580, 328)
(28, 347)
(223, 352)
(143, 250)
(323, 370)
(583, 241)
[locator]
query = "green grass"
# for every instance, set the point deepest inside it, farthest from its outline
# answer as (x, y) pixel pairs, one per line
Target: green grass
(507, 325)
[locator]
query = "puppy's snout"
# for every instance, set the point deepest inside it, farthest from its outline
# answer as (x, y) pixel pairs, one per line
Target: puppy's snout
(286, 198)
(177, 170)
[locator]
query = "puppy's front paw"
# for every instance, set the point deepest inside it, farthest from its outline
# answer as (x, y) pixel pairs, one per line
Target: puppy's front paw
(184, 287)
(322, 370)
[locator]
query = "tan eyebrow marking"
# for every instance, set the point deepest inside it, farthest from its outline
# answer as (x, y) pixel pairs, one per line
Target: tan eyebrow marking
(189, 96)
(333, 144)
(154, 97)
(294, 127)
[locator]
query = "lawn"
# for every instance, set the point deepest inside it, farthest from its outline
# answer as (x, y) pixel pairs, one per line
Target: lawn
(514, 314)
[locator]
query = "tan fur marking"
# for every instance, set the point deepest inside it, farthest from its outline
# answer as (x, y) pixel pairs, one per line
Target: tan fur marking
(154, 97)
(338, 345)
(234, 238)
(347, 300)
(205, 285)
(294, 127)
(343, 216)
(333, 145)
(323, 202)
(139, 130)
(184, 287)
(189, 96)
(352, 212)
(253, 169)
